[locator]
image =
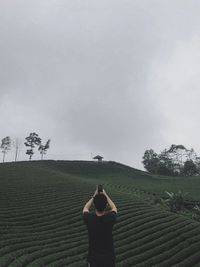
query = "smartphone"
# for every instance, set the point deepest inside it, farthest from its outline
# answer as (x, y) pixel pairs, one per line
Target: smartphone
(100, 188)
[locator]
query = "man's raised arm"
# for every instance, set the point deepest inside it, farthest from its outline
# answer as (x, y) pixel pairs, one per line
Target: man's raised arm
(110, 202)
(89, 203)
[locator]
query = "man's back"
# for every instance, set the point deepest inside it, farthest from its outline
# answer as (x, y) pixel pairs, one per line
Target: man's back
(99, 226)
(101, 249)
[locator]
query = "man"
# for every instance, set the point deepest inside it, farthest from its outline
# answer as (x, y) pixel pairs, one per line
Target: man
(99, 226)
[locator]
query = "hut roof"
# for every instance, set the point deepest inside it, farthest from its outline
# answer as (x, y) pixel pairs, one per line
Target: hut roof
(98, 157)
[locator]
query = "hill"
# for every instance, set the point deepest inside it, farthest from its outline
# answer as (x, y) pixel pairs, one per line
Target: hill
(41, 222)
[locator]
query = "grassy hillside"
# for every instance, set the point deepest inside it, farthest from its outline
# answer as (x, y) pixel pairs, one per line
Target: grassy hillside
(41, 221)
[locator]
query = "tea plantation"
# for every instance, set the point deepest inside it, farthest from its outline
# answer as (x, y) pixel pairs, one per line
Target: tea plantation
(41, 223)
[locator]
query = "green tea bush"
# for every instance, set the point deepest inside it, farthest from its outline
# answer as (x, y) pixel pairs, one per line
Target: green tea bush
(41, 217)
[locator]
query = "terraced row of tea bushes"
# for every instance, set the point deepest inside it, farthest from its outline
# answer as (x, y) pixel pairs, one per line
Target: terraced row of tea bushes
(41, 225)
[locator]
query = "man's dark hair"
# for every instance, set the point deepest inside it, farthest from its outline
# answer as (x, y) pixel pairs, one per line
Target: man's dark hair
(100, 201)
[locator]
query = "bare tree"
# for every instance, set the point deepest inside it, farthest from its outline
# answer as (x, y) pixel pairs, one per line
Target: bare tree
(5, 146)
(17, 145)
(43, 148)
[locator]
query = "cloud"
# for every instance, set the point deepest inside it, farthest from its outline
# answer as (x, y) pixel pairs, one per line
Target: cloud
(176, 80)
(98, 77)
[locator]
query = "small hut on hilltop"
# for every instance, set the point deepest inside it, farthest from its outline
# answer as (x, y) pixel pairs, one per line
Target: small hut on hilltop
(99, 158)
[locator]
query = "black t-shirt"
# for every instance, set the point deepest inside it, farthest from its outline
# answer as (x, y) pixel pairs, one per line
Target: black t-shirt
(101, 248)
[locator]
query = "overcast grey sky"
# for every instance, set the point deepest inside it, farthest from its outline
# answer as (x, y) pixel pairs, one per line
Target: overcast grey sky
(108, 77)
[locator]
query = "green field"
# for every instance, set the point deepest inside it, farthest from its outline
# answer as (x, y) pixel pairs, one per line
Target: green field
(41, 215)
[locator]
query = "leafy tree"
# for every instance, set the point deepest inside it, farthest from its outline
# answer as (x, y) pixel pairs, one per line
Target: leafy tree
(31, 141)
(158, 163)
(197, 163)
(5, 146)
(150, 161)
(43, 148)
(177, 153)
(191, 154)
(176, 147)
(190, 168)
(177, 160)
(166, 165)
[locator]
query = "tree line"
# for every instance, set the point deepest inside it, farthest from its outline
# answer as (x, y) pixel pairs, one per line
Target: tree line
(32, 142)
(175, 161)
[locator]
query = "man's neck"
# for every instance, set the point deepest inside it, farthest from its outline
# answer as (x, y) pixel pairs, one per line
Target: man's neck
(100, 213)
